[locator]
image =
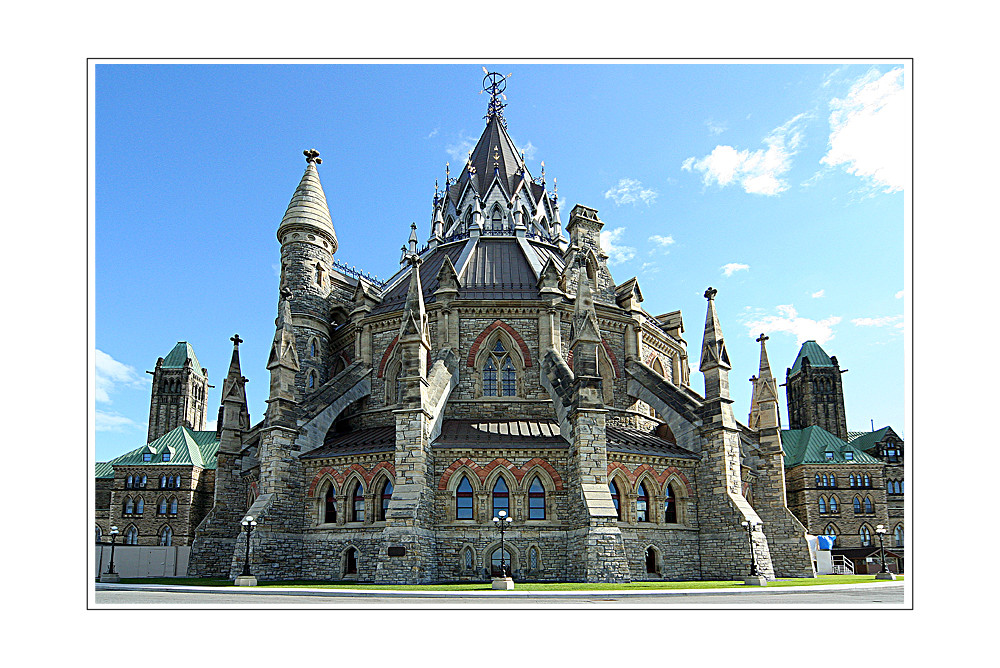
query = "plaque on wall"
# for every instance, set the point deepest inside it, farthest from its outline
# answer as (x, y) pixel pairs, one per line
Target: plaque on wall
(397, 551)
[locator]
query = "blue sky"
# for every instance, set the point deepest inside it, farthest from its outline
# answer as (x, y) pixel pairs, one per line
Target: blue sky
(781, 185)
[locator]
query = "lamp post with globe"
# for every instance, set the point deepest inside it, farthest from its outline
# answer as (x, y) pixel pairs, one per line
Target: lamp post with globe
(884, 574)
(502, 522)
(245, 579)
(111, 575)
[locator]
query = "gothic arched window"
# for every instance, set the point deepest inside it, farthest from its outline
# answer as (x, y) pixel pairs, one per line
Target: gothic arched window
(866, 536)
(131, 536)
(670, 506)
(386, 496)
(499, 372)
(496, 219)
(330, 505)
(173, 506)
(127, 508)
(869, 508)
(898, 535)
(467, 561)
(833, 504)
(822, 505)
(615, 497)
(463, 500)
(857, 505)
(642, 504)
(536, 500)
(138, 506)
(163, 507)
(358, 503)
(166, 536)
(830, 530)
(501, 497)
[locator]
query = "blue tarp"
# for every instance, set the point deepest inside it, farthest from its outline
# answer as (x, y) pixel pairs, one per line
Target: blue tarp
(826, 542)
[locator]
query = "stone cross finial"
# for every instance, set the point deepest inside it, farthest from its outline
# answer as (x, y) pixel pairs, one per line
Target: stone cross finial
(762, 338)
(236, 340)
(312, 156)
(710, 293)
(753, 379)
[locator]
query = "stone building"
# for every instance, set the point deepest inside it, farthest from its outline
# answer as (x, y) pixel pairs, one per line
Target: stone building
(843, 486)
(501, 369)
(158, 494)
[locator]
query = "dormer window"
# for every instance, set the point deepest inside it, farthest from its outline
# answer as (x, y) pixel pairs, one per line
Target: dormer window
(147, 456)
(848, 455)
(166, 456)
(829, 456)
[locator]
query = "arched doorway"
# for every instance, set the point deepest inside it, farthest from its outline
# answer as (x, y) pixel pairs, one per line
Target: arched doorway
(495, 563)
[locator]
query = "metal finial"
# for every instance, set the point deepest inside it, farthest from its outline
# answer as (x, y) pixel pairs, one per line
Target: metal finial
(495, 83)
(312, 156)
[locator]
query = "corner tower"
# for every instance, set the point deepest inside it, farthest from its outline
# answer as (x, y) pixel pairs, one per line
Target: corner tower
(179, 394)
(815, 392)
(308, 244)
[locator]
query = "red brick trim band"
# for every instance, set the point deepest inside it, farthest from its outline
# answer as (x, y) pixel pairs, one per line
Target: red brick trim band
(611, 356)
(340, 475)
(482, 472)
(661, 478)
(386, 355)
(489, 330)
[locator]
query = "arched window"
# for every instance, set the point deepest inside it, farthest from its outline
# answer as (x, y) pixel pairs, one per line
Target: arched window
(670, 506)
(825, 480)
(833, 504)
(127, 507)
(533, 559)
(173, 505)
(650, 560)
(499, 372)
(830, 530)
(166, 536)
(312, 348)
(177, 481)
(833, 480)
(641, 504)
(869, 508)
(143, 482)
(868, 481)
(386, 496)
(162, 509)
(330, 505)
(495, 563)
(128, 482)
(501, 497)
(613, 488)
(857, 505)
(536, 500)
(496, 219)
(822, 505)
(897, 535)
(463, 500)
(467, 559)
(852, 480)
(131, 536)
(351, 562)
(819, 481)
(163, 482)
(97, 533)
(311, 380)
(358, 503)
(138, 506)
(866, 536)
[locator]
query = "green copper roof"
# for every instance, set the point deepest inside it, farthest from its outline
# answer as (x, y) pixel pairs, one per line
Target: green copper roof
(181, 353)
(817, 356)
(185, 446)
(866, 440)
(810, 445)
(104, 470)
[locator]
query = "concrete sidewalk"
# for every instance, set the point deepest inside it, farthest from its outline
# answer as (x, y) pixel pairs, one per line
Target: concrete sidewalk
(485, 594)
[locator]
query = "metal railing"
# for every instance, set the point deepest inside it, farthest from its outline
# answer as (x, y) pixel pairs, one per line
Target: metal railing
(358, 273)
(842, 566)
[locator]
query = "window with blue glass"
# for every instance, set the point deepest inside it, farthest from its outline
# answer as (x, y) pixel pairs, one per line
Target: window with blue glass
(463, 500)
(536, 500)
(642, 504)
(499, 372)
(613, 488)
(501, 497)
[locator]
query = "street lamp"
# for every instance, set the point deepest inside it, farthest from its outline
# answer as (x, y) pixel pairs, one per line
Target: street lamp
(755, 578)
(884, 574)
(502, 522)
(246, 579)
(111, 575)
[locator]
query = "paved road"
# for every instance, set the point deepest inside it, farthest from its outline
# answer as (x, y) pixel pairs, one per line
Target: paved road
(887, 594)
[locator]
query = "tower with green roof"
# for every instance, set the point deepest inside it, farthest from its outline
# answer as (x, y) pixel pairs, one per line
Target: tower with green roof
(179, 393)
(815, 392)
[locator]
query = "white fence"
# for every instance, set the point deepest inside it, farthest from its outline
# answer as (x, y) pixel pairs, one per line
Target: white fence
(143, 561)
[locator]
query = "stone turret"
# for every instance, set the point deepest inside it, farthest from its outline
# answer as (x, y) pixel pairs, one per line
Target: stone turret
(283, 363)
(308, 244)
(179, 393)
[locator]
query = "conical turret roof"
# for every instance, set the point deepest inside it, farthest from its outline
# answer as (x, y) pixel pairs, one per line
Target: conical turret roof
(308, 207)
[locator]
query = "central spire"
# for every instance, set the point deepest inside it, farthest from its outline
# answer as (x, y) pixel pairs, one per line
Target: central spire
(495, 84)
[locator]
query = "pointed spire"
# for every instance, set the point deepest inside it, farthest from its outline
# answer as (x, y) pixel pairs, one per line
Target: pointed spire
(713, 347)
(414, 315)
(765, 366)
(283, 363)
(413, 238)
(308, 208)
(234, 414)
(764, 403)
(585, 327)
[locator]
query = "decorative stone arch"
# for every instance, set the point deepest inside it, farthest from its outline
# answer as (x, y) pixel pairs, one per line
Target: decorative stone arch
(498, 215)
(533, 562)
(510, 480)
(548, 484)
(625, 493)
(317, 496)
(393, 369)
(450, 482)
(349, 570)
(658, 367)
(834, 527)
(652, 561)
(351, 480)
(386, 355)
(471, 565)
(483, 351)
(682, 495)
(129, 529)
(475, 350)
(379, 478)
(653, 496)
(516, 559)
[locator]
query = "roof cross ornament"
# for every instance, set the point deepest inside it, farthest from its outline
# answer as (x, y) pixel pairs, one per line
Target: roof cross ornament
(710, 293)
(235, 338)
(495, 83)
(312, 156)
(762, 338)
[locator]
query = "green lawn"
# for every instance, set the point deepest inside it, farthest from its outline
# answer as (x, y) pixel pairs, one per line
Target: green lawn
(525, 586)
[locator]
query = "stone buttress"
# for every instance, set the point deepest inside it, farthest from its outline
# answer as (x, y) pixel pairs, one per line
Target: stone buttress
(721, 505)
(786, 536)
(215, 538)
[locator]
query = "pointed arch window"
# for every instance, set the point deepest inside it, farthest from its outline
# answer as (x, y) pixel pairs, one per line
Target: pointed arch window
(162, 510)
(131, 536)
(868, 481)
(897, 535)
(173, 506)
(833, 504)
(128, 507)
(670, 506)
(463, 500)
(826, 481)
(495, 563)
(97, 533)
(138, 506)
(312, 348)
(501, 497)
(819, 481)
(866, 536)
(351, 562)
(833, 480)
(822, 505)
(496, 219)
(536, 500)
(615, 498)
(857, 505)
(642, 504)
(166, 536)
(852, 480)
(163, 482)
(499, 372)
(533, 559)
(358, 503)
(650, 561)
(869, 507)
(386, 497)
(311, 380)
(830, 530)
(467, 560)
(128, 482)
(330, 505)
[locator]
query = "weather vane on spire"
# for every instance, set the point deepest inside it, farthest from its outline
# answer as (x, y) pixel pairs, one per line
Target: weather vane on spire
(495, 84)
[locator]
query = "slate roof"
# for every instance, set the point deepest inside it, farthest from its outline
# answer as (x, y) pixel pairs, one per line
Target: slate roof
(186, 447)
(508, 162)
(176, 358)
(637, 441)
(360, 441)
(498, 269)
(817, 356)
(395, 298)
(810, 445)
(500, 433)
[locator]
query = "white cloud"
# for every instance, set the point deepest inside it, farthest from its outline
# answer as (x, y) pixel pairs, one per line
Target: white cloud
(789, 321)
(649, 268)
(899, 295)
(884, 321)
(870, 131)
(609, 243)
(759, 172)
(630, 191)
(110, 375)
(817, 295)
(715, 128)
(458, 151)
(733, 267)
(105, 421)
(664, 243)
(529, 150)
(433, 132)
